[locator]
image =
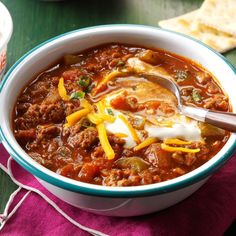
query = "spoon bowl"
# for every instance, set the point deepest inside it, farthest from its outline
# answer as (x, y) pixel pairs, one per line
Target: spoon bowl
(224, 120)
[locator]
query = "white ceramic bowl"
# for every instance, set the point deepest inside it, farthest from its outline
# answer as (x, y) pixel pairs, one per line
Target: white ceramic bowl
(115, 201)
(6, 27)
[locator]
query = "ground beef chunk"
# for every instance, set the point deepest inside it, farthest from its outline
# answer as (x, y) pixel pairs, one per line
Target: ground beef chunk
(111, 177)
(127, 177)
(187, 159)
(147, 177)
(115, 140)
(37, 157)
(178, 157)
(84, 139)
(21, 108)
(47, 132)
(64, 152)
(41, 160)
(61, 157)
(40, 114)
(128, 152)
(72, 130)
(70, 108)
(52, 112)
(117, 144)
(72, 74)
(158, 157)
(53, 145)
(38, 91)
(190, 158)
(98, 152)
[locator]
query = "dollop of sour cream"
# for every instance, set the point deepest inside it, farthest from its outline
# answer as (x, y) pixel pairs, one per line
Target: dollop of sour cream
(188, 131)
(118, 126)
(182, 127)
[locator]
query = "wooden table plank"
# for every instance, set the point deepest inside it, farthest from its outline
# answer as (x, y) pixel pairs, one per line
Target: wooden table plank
(36, 21)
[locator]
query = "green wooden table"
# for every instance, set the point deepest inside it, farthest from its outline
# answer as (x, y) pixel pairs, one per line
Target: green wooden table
(36, 21)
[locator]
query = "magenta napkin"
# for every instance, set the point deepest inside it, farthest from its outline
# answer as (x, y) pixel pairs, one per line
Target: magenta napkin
(32, 210)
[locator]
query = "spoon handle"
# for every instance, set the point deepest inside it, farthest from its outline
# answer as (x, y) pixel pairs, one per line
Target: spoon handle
(224, 120)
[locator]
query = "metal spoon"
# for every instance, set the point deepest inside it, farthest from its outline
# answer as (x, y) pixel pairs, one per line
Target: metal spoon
(224, 120)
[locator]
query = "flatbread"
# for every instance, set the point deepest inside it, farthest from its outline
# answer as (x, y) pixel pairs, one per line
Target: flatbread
(219, 14)
(189, 25)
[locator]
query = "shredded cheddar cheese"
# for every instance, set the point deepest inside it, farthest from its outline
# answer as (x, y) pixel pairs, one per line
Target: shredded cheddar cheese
(76, 116)
(106, 79)
(102, 135)
(145, 143)
(84, 103)
(176, 141)
(94, 118)
(121, 135)
(167, 123)
(101, 112)
(66, 125)
(131, 129)
(106, 117)
(62, 90)
(98, 119)
(181, 149)
(100, 106)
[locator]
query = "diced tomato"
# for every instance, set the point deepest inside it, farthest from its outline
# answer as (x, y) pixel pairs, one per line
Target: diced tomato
(88, 172)
(123, 103)
(67, 170)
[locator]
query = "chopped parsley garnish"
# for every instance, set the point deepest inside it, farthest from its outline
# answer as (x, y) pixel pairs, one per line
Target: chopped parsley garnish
(181, 75)
(77, 95)
(120, 63)
(84, 81)
(196, 96)
(110, 112)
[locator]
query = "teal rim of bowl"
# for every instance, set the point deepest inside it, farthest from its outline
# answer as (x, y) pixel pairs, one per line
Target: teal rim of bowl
(108, 192)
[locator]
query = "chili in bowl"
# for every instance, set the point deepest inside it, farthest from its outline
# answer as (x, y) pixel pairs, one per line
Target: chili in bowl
(86, 121)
